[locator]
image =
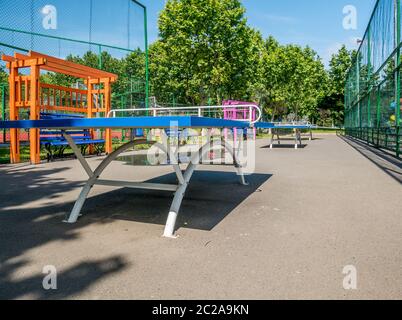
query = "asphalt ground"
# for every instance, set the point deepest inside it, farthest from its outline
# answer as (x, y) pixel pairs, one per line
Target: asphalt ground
(306, 215)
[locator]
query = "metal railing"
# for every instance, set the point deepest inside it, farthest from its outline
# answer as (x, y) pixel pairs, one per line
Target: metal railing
(293, 123)
(201, 111)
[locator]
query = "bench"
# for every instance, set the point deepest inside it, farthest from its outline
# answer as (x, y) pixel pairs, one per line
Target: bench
(55, 144)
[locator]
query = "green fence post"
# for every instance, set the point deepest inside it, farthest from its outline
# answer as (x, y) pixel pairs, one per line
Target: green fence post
(398, 77)
(345, 104)
(146, 59)
(359, 118)
(146, 53)
(378, 122)
(100, 62)
(369, 84)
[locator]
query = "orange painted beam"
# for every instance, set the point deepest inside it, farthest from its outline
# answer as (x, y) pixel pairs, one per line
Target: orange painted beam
(26, 63)
(101, 80)
(58, 65)
(23, 61)
(92, 72)
(14, 133)
(20, 56)
(34, 137)
(7, 58)
(108, 138)
(50, 66)
(65, 108)
(90, 112)
(52, 86)
(22, 105)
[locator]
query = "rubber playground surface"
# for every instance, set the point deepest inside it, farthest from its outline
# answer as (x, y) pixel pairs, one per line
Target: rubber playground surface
(306, 215)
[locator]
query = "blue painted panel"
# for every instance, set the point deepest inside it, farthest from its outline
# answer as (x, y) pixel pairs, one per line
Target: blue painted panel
(269, 125)
(124, 123)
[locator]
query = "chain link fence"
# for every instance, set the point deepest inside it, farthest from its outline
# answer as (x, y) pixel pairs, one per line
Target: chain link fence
(372, 93)
(103, 34)
(108, 35)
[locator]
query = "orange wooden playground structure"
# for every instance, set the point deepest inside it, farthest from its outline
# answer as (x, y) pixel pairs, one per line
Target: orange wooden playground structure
(27, 92)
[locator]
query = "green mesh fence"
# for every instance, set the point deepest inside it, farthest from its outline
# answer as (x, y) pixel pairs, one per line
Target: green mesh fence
(372, 93)
(108, 35)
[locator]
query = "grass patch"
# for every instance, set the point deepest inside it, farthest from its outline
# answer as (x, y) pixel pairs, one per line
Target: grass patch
(24, 153)
(265, 135)
(334, 131)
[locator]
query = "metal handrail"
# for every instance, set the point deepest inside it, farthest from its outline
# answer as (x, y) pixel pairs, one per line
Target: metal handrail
(200, 109)
(293, 123)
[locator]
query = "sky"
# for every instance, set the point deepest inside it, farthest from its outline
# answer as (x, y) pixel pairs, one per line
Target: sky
(317, 23)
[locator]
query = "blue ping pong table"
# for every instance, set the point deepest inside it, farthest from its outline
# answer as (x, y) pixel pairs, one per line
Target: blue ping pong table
(278, 128)
(180, 122)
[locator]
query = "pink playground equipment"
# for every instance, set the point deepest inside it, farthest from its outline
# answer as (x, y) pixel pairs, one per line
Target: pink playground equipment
(241, 111)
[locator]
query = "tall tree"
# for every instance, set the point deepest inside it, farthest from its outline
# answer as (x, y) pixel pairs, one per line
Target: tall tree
(332, 105)
(339, 65)
(205, 52)
(3, 75)
(293, 80)
(269, 89)
(306, 80)
(134, 65)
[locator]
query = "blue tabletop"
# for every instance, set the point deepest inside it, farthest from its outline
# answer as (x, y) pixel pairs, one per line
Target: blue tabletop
(270, 125)
(124, 123)
(140, 123)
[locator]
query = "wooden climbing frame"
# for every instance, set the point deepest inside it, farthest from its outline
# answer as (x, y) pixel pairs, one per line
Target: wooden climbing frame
(27, 92)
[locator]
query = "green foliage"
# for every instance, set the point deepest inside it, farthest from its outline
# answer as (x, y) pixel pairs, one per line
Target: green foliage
(129, 69)
(3, 75)
(134, 65)
(305, 80)
(332, 105)
(206, 52)
(339, 66)
(293, 80)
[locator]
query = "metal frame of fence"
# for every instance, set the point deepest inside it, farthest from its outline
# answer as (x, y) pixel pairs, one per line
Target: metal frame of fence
(61, 42)
(373, 84)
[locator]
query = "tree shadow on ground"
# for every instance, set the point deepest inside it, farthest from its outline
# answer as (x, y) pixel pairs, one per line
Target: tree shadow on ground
(69, 282)
(383, 160)
(284, 146)
(25, 183)
(23, 228)
(210, 198)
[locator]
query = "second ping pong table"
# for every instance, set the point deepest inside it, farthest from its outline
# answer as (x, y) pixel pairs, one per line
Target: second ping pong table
(278, 129)
(165, 122)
